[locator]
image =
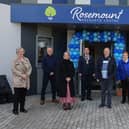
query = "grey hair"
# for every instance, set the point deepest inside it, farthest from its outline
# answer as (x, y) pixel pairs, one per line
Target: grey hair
(17, 50)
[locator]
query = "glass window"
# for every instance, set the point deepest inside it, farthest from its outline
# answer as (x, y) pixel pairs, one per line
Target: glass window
(71, 1)
(44, 1)
(112, 2)
(28, 1)
(83, 2)
(123, 2)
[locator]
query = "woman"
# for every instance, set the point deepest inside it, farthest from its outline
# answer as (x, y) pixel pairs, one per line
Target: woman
(21, 71)
(123, 76)
(66, 87)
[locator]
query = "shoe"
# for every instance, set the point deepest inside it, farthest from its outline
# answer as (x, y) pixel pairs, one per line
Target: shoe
(101, 106)
(55, 101)
(82, 99)
(122, 102)
(15, 112)
(109, 106)
(65, 106)
(24, 111)
(89, 99)
(69, 106)
(42, 102)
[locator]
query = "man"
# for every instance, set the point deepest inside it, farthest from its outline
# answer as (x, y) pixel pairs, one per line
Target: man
(86, 72)
(105, 73)
(49, 67)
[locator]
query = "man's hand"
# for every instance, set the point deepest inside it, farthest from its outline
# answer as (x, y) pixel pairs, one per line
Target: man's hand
(80, 74)
(51, 73)
(118, 82)
(93, 74)
(97, 80)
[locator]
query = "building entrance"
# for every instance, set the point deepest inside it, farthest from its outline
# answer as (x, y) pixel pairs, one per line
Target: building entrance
(96, 50)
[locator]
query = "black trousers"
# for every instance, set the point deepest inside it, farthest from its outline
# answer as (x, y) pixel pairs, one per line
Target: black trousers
(52, 80)
(125, 89)
(86, 86)
(19, 98)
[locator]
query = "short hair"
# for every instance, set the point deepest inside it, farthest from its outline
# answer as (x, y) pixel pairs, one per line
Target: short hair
(18, 49)
(125, 52)
(67, 53)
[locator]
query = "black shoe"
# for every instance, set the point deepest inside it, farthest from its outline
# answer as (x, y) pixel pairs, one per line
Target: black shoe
(109, 106)
(122, 102)
(55, 101)
(65, 106)
(15, 112)
(82, 99)
(89, 99)
(24, 111)
(101, 106)
(42, 102)
(69, 106)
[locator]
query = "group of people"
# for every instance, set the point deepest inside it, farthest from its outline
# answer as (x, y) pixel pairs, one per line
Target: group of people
(61, 76)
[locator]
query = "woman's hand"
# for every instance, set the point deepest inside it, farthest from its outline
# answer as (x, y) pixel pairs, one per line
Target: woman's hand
(24, 76)
(68, 79)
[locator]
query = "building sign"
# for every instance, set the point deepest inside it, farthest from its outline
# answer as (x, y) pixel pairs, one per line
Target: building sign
(42, 13)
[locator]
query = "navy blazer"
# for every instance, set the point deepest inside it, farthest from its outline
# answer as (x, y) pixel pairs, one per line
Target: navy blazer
(82, 65)
(49, 64)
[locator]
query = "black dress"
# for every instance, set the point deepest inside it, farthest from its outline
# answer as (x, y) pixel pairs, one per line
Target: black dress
(66, 69)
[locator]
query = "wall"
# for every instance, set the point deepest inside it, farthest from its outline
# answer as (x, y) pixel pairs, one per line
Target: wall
(10, 35)
(28, 42)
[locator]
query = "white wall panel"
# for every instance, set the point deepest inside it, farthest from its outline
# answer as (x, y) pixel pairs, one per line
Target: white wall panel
(10, 39)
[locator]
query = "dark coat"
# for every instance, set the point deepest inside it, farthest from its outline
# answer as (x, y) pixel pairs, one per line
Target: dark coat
(66, 69)
(111, 68)
(86, 69)
(49, 64)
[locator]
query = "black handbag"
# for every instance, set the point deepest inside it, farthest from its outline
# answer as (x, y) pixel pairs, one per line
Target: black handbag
(5, 90)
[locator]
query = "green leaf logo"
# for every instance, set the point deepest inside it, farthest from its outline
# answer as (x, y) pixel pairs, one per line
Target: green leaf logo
(50, 12)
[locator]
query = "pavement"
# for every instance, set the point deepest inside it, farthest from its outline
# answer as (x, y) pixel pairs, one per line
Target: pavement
(84, 115)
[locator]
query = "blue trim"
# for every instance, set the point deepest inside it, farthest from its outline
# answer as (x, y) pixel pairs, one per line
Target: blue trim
(59, 1)
(44, 13)
(97, 2)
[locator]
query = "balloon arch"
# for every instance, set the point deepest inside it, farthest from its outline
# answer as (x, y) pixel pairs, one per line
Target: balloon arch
(94, 37)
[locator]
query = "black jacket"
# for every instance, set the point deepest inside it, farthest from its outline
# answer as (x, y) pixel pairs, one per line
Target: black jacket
(49, 64)
(66, 69)
(86, 69)
(111, 68)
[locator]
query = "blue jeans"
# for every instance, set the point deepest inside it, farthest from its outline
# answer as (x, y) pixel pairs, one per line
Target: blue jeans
(106, 91)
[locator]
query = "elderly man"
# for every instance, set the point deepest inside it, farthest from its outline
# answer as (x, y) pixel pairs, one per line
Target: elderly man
(49, 67)
(105, 73)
